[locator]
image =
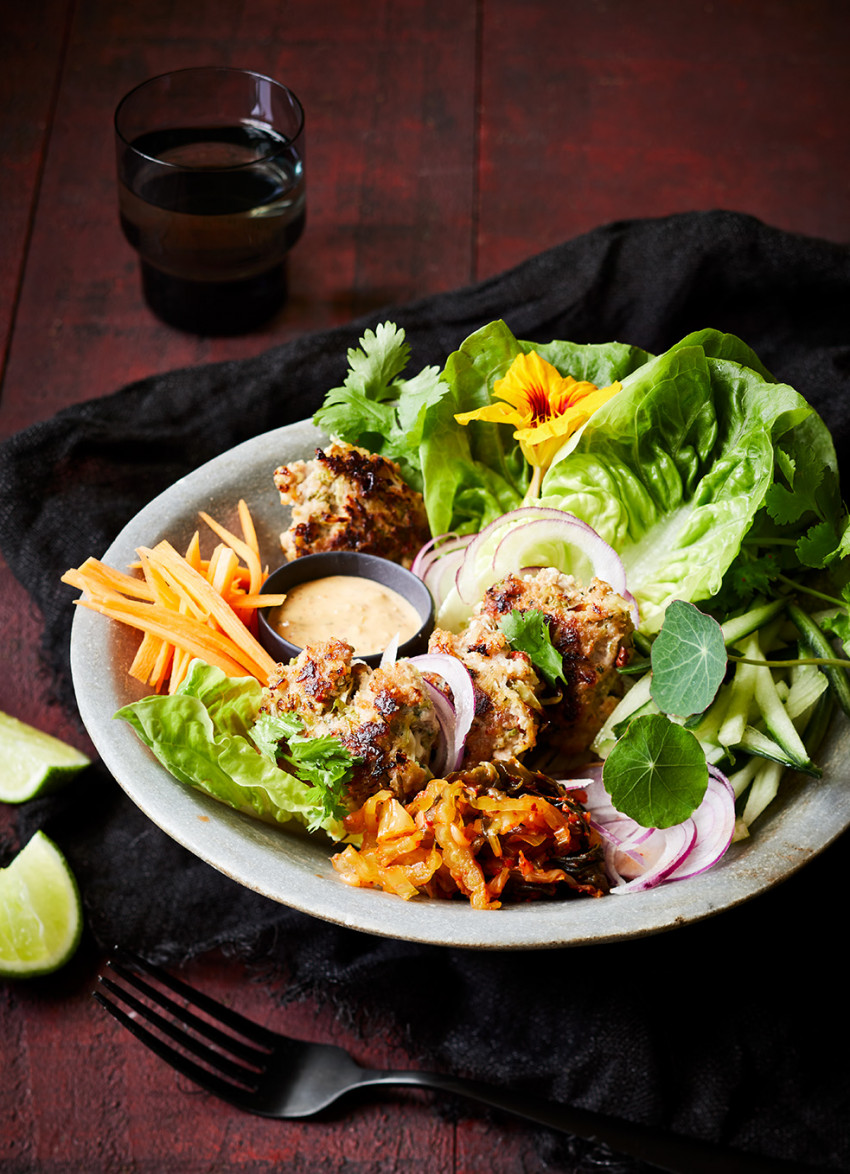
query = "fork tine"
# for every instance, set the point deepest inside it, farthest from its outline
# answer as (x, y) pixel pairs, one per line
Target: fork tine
(246, 1027)
(228, 1067)
(178, 1060)
(204, 1027)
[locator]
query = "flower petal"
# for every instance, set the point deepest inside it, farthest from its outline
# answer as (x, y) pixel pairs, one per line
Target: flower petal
(495, 413)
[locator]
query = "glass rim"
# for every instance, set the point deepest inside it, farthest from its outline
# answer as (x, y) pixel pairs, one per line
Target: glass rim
(232, 69)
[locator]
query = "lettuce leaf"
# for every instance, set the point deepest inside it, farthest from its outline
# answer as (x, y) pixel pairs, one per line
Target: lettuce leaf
(473, 474)
(202, 735)
(468, 475)
(673, 470)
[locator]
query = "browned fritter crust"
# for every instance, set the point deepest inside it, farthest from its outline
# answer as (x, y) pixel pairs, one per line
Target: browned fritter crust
(384, 716)
(508, 713)
(591, 627)
(351, 499)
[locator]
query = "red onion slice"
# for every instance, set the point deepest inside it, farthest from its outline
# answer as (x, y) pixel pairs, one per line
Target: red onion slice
(468, 581)
(437, 563)
(447, 720)
(655, 858)
(515, 537)
(436, 549)
(456, 675)
(715, 823)
(564, 533)
(639, 858)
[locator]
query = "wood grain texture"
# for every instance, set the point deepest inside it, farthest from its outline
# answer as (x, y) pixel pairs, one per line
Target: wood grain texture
(32, 52)
(613, 110)
(390, 165)
(446, 141)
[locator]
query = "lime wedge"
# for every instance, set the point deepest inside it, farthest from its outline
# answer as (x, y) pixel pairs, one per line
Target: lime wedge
(33, 763)
(41, 918)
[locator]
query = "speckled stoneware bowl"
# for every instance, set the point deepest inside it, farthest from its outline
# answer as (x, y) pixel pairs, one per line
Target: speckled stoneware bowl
(293, 868)
(338, 562)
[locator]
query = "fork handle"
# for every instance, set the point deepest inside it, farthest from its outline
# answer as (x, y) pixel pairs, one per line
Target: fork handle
(668, 1151)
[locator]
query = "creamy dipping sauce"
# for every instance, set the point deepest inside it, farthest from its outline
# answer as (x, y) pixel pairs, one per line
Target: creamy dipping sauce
(362, 612)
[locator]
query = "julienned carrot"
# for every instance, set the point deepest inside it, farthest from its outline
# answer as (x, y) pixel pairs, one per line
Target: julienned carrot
(177, 629)
(95, 574)
(202, 593)
(186, 606)
(246, 551)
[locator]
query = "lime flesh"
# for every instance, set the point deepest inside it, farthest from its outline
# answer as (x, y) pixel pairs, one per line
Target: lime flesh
(41, 916)
(33, 763)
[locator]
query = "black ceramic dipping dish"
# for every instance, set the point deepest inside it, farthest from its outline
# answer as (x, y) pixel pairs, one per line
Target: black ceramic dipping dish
(339, 562)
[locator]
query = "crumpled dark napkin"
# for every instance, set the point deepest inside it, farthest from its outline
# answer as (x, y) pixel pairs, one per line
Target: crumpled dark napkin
(734, 1029)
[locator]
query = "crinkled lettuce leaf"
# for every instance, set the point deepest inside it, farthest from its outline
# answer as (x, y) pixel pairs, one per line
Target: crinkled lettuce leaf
(674, 469)
(473, 474)
(469, 475)
(202, 735)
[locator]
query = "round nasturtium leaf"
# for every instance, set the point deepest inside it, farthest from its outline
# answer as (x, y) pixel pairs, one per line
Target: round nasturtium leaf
(656, 773)
(688, 660)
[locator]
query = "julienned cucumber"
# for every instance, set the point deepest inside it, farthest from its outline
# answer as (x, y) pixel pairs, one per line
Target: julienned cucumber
(740, 626)
(776, 720)
(818, 645)
(756, 742)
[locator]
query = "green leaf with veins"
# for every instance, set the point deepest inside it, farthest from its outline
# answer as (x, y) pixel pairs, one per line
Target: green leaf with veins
(688, 660)
(817, 547)
(323, 762)
(378, 409)
(656, 773)
(528, 631)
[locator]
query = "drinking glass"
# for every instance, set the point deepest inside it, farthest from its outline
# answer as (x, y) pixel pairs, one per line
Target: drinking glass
(211, 193)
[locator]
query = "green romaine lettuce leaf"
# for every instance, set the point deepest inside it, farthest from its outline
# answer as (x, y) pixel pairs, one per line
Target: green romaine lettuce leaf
(202, 735)
(673, 470)
(473, 474)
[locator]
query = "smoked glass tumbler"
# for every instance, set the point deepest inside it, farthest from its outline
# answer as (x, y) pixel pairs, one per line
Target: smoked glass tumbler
(211, 193)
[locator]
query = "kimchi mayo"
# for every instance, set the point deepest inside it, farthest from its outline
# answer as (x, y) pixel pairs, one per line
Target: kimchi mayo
(362, 612)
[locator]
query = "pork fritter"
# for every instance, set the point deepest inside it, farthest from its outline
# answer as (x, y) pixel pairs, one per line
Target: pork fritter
(384, 716)
(591, 627)
(350, 499)
(515, 712)
(508, 713)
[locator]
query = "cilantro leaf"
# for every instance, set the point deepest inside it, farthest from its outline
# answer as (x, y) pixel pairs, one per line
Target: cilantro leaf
(748, 576)
(817, 547)
(808, 494)
(688, 660)
(837, 625)
(783, 506)
(656, 773)
(322, 762)
(528, 631)
(327, 764)
(384, 355)
(378, 409)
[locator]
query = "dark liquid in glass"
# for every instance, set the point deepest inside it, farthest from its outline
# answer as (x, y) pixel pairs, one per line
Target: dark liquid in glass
(213, 213)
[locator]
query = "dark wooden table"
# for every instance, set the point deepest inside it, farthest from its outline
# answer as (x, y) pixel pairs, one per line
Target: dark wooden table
(446, 142)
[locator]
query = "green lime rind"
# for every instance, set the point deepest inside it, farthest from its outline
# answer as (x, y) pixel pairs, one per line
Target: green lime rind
(33, 763)
(41, 915)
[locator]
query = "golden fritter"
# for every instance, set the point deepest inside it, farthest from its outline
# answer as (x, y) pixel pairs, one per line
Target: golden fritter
(591, 627)
(350, 499)
(384, 716)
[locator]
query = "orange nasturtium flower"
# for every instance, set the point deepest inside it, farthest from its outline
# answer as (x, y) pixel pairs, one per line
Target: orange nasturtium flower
(544, 407)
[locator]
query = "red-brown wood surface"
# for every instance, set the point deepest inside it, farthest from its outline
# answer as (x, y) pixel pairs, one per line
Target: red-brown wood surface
(446, 142)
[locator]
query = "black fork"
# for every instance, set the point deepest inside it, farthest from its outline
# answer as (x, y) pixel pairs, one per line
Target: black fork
(272, 1075)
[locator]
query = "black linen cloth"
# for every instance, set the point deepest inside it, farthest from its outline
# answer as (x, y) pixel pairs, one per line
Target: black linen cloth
(734, 1029)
